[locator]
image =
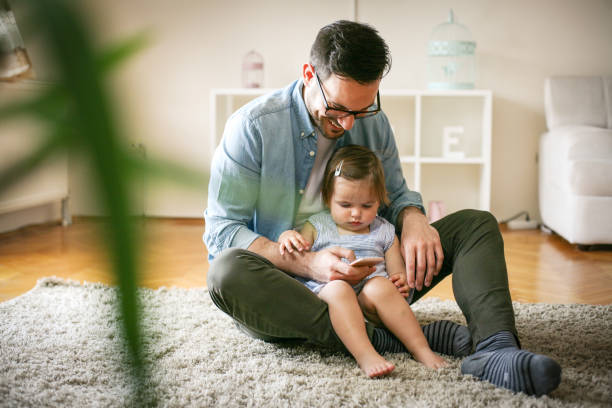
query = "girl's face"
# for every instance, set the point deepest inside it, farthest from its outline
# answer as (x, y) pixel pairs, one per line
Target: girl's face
(354, 204)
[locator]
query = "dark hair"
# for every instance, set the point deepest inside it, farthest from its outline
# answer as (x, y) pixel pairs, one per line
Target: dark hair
(350, 49)
(358, 163)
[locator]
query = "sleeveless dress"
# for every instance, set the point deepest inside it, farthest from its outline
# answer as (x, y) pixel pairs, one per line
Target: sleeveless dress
(375, 243)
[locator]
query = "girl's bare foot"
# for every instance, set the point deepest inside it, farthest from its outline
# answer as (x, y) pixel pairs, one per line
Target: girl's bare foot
(432, 360)
(375, 365)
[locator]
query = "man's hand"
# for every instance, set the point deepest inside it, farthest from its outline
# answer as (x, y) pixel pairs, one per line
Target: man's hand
(421, 248)
(324, 266)
(327, 265)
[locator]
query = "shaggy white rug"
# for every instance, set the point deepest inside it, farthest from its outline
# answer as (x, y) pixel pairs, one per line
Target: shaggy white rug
(59, 347)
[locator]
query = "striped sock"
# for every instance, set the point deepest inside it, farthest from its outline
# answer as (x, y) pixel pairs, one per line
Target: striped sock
(499, 360)
(385, 342)
(448, 338)
(443, 336)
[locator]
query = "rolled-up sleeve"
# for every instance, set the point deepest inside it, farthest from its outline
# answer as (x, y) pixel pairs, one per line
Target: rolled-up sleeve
(233, 187)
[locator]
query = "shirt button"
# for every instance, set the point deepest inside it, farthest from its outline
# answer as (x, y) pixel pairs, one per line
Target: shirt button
(301, 191)
(312, 153)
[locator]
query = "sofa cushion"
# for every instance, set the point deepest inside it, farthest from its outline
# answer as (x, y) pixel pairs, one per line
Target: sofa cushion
(586, 143)
(579, 160)
(577, 101)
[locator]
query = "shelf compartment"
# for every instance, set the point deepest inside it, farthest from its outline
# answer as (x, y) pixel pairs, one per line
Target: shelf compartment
(401, 111)
(458, 186)
(409, 172)
(466, 112)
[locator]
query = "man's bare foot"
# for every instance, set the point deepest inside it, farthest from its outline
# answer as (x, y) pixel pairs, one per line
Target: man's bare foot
(431, 360)
(375, 365)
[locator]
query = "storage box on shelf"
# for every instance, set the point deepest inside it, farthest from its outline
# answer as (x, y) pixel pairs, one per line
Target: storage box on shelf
(443, 138)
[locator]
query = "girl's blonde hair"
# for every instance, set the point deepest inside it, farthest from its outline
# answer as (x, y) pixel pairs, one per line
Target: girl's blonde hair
(354, 162)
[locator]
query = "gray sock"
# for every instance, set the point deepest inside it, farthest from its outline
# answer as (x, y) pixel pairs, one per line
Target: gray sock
(385, 342)
(443, 336)
(448, 338)
(499, 360)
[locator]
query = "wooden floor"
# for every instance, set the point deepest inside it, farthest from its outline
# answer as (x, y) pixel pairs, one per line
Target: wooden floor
(541, 267)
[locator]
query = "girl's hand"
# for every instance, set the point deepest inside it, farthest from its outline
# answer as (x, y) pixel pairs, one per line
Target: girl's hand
(290, 240)
(401, 283)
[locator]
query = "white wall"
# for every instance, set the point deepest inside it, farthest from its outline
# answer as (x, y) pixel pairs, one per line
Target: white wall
(199, 45)
(519, 43)
(196, 46)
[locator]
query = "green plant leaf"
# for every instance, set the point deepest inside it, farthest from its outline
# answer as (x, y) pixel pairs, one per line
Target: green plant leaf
(79, 118)
(91, 116)
(44, 105)
(112, 56)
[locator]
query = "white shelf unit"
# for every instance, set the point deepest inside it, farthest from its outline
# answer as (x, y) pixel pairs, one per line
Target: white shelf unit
(419, 119)
(460, 179)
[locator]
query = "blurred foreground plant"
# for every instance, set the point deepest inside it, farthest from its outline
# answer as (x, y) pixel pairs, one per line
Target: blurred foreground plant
(78, 118)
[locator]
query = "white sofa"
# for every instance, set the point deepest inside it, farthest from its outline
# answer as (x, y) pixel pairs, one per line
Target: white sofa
(575, 159)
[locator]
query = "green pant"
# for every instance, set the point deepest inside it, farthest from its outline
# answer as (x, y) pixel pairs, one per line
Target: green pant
(269, 304)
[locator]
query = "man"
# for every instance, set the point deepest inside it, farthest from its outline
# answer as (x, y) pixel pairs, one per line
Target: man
(266, 178)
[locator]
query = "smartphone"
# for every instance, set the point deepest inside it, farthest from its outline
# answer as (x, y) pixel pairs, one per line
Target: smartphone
(369, 261)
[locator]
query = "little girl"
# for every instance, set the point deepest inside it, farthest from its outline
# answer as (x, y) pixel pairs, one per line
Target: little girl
(353, 189)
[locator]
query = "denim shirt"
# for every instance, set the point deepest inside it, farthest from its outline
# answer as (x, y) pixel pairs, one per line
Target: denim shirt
(261, 167)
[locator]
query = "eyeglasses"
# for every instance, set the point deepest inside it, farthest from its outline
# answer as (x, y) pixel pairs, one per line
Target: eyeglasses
(337, 113)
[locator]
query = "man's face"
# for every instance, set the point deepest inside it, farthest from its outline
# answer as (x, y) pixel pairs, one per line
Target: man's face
(340, 92)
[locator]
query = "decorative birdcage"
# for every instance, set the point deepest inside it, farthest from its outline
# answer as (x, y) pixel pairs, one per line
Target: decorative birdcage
(451, 59)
